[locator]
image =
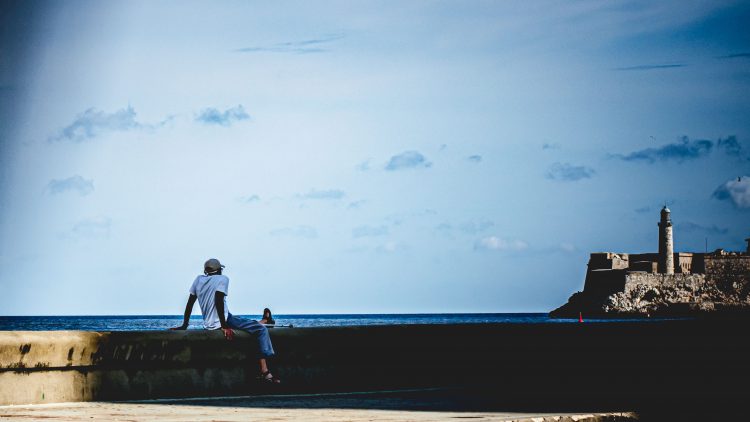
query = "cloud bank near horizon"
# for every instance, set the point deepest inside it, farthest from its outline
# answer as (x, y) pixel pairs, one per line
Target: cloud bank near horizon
(684, 150)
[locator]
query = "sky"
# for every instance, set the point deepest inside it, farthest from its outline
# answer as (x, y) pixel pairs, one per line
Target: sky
(360, 157)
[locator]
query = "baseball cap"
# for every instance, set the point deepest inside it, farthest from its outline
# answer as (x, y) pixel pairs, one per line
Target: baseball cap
(212, 265)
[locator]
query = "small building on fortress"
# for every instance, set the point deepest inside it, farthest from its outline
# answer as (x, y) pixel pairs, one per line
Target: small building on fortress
(614, 278)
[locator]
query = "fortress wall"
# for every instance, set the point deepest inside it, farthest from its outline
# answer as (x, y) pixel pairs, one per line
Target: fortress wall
(602, 283)
(652, 257)
(644, 266)
(698, 264)
(634, 279)
(608, 261)
(683, 262)
(733, 264)
(603, 362)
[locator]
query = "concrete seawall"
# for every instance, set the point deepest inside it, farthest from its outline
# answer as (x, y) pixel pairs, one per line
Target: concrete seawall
(622, 364)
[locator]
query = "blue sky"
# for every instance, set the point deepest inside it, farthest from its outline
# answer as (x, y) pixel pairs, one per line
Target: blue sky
(360, 157)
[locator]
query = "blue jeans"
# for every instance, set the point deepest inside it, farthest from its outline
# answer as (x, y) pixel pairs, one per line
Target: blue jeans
(265, 348)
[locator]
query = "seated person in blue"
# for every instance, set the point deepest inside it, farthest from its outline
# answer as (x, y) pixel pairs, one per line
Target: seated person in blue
(267, 318)
(211, 289)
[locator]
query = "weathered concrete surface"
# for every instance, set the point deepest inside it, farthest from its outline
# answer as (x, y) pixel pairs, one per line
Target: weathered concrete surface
(60, 366)
(412, 405)
(189, 413)
(64, 348)
(616, 366)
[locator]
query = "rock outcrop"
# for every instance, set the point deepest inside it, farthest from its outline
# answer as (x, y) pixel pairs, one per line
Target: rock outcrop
(648, 295)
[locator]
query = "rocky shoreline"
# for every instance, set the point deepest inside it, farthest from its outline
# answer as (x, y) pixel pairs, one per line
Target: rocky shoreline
(709, 297)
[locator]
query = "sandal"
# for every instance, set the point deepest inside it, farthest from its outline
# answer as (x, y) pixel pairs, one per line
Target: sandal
(267, 377)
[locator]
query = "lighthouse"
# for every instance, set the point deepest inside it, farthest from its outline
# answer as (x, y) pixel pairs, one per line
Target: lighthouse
(666, 243)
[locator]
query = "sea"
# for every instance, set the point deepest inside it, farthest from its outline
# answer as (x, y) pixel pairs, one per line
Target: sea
(163, 322)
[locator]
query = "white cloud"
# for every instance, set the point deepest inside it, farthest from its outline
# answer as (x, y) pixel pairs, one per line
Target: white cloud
(306, 232)
(313, 45)
(323, 194)
(736, 190)
(364, 165)
(567, 247)
(74, 183)
(406, 160)
(369, 231)
(97, 227)
(356, 204)
(569, 172)
(92, 123)
(250, 199)
(499, 244)
(212, 116)
(391, 246)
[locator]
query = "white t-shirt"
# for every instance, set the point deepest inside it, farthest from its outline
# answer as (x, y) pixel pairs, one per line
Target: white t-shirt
(205, 287)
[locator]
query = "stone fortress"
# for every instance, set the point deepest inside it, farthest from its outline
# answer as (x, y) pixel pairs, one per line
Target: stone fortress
(666, 282)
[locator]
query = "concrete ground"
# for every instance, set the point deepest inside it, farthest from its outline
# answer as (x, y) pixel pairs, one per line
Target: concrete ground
(422, 405)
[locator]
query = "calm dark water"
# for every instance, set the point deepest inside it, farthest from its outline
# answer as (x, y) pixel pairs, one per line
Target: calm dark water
(161, 322)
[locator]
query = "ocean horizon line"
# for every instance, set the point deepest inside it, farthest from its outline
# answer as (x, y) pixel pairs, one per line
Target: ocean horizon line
(333, 314)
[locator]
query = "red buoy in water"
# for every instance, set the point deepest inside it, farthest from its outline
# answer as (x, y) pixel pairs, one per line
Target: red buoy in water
(580, 317)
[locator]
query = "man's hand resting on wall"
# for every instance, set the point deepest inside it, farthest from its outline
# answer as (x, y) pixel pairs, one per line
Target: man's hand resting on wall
(228, 333)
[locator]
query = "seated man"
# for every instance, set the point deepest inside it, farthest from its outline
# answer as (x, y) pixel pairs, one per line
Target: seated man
(210, 289)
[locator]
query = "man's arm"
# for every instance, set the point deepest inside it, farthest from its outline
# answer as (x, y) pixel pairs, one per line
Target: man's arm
(219, 302)
(188, 311)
